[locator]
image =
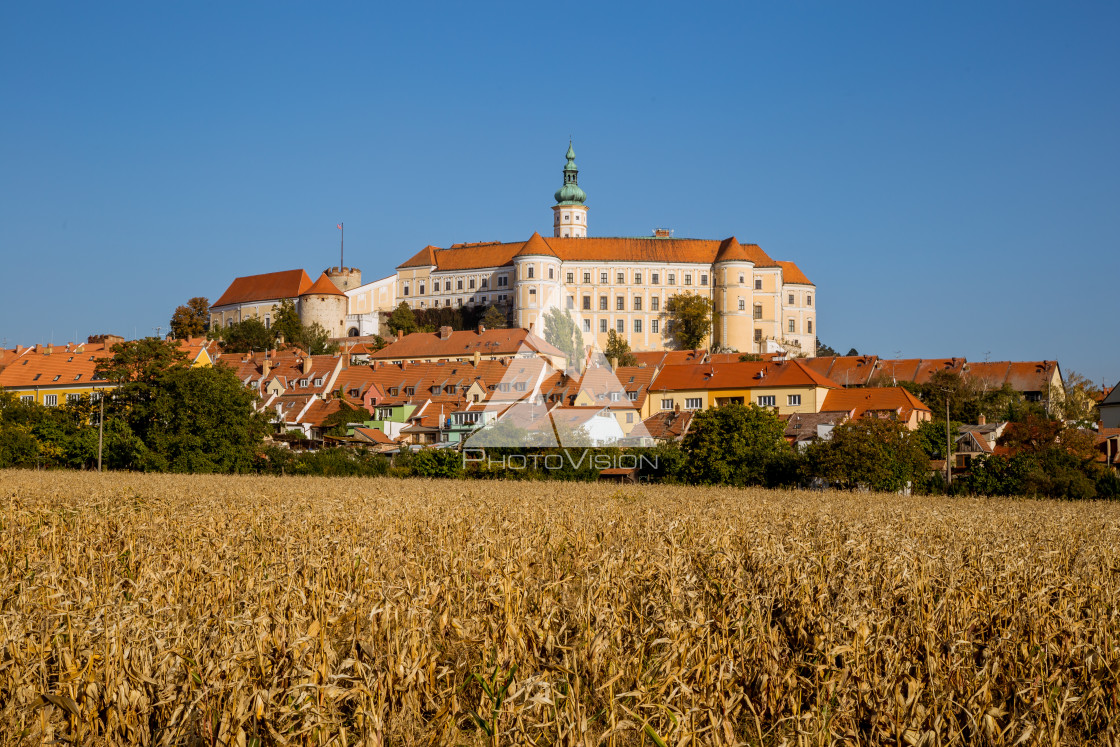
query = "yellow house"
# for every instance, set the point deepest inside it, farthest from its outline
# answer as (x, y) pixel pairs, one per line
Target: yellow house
(52, 376)
(786, 386)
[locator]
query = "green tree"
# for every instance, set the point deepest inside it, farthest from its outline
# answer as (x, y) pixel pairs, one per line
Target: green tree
(750, 358)
(203, 420)
(136, 367)
(494, 319)
(246, 336)
(287, 324)
(690, 319)
(824, 351)
(316, 340)
(733, 445)
(561, 330)
(619, 350)
(871, 453)
(191, 319)
(402, 319)
(1080, 402)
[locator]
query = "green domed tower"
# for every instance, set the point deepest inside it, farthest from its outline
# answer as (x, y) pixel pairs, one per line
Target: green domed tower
(570, 212)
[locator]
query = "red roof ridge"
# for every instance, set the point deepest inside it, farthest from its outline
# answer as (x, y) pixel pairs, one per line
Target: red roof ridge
(536, 245)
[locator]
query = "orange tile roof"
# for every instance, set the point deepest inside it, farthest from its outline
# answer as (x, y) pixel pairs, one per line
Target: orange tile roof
(668, 357)
(791, 273)
(849, 370)
(463, 344)
(324, 286)
(746, 375)
(66, 365)
(730, 250)
(1023, 376)
(535, 245)
(590, 249)
(266, 287)
(860, 401)
(668, 425)
(374, 435)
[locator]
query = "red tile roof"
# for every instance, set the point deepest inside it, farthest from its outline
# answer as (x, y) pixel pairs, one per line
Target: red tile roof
(266, 287)
(668, 357)
(791, 273)
(463, 344)
(1023, 376)
(668, 425)
(746, 375)
(644, 249)
(535, 245)
(875, 399)
(848, 370)
(324, 286)
(372, 434)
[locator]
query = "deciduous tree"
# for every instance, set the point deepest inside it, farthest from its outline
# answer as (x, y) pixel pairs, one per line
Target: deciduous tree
(619, 350)
(561, 330)
(191, 319)
(690, 318)
(733, 445)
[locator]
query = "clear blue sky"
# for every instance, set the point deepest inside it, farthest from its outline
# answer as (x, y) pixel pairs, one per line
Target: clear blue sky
(947, 174)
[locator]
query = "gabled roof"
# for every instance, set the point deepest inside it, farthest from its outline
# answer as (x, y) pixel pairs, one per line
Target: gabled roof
(1113, 397)
(668, 425)
(373, 435)
(848, 370)
(267, 287)
(1022, 376)
(324, 286)
(745, 375)
(875, 399)
(426, 257)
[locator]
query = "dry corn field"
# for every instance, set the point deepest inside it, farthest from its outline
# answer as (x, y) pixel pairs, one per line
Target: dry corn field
(168, 610)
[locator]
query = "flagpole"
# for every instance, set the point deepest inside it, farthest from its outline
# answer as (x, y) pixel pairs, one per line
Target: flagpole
(341, 246)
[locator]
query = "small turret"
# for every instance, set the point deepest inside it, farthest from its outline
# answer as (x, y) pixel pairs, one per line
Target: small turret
(570, 213)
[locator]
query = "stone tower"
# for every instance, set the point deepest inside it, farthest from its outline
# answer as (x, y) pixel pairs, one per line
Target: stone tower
(570, 213)
(324, 303)
(733, 296)
(346, 278)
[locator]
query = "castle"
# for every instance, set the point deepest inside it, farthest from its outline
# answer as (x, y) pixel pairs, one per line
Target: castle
(620, 284)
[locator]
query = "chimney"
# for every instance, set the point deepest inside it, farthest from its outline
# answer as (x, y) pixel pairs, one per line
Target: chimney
(19, 349)
(50, 349)
(614, 363)
(346, 360)
(481, 328)
(400, 334)
(266, 368)
(306, 365)
(981, 420)
(445, 332)
(477, 356)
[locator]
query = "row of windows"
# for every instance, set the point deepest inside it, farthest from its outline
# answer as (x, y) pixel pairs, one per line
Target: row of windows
(620, 278)
(619, 303)
(763, 400)
(500, 298)
(421, 286)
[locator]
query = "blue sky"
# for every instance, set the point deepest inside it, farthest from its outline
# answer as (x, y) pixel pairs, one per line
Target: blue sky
(947, 174)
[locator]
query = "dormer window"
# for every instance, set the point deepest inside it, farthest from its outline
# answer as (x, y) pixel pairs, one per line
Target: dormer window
(318, 382)
(303, 382)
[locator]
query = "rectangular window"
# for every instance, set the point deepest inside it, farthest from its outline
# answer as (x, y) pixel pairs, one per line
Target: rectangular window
(602, 303)
(621, 278)
(809, 327)
(688, 278)
(571, 302)
(655, 303)
(758, 284)
(653, 326)
(666, 404)
(693, 403)
(792, 325)
(447, 285)
(603, 278)
(72, 398)
(620, 325)
(809, 300)
(470, 284)
(791, 301)
(740, 278)
(758, 335)
(303, 382)
(27, 398)
(637, 325)
(629, 417)
(587, 303)
(503, 281)
(405, 289)
(655, 278)
(637, 278)
(632, 396)
(550, 273)
(459, 284)
(50, 400)
(485, 283)
(318, 382)
(602, 325)
(793, 399)
(586, 325)
(587, 277)
(703, 278)
(758, 311)
(672, 278)
(637, 303)
(529, 271)
(767, 400)
(571, 277)
(620, 303)
(742, 304)
(268, 319)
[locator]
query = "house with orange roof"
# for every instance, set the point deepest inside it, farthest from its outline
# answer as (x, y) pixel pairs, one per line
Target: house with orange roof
(787, 386)
(891, 403)
(1109, 408)
(468, 345)
(846, 370)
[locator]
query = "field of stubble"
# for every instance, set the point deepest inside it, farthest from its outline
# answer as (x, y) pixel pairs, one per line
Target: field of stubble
(162, 610)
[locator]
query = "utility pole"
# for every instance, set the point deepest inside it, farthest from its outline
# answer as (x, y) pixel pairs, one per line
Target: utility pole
(100, 430)
(948, 446)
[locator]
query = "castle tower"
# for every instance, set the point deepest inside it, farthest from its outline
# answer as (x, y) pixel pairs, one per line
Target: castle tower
(346, 278)
(569, 213)
(537, 278)
(325, 304)
(733, 297)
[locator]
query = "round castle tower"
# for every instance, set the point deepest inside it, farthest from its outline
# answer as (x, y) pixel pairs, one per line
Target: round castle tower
(537, 274)
(324, 303)
(732, 278)
(569, 214)
(346, 278)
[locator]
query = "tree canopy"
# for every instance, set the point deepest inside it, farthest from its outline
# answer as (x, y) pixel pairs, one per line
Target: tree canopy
(191, 319)
(561, 330)
(872, 453)
(690, 319)
(733, 445)
(619, 350)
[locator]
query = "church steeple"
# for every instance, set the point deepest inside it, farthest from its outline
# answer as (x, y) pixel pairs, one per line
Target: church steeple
(570, 212)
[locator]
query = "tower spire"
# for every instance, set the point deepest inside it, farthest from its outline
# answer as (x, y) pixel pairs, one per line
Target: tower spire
(570, 210)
